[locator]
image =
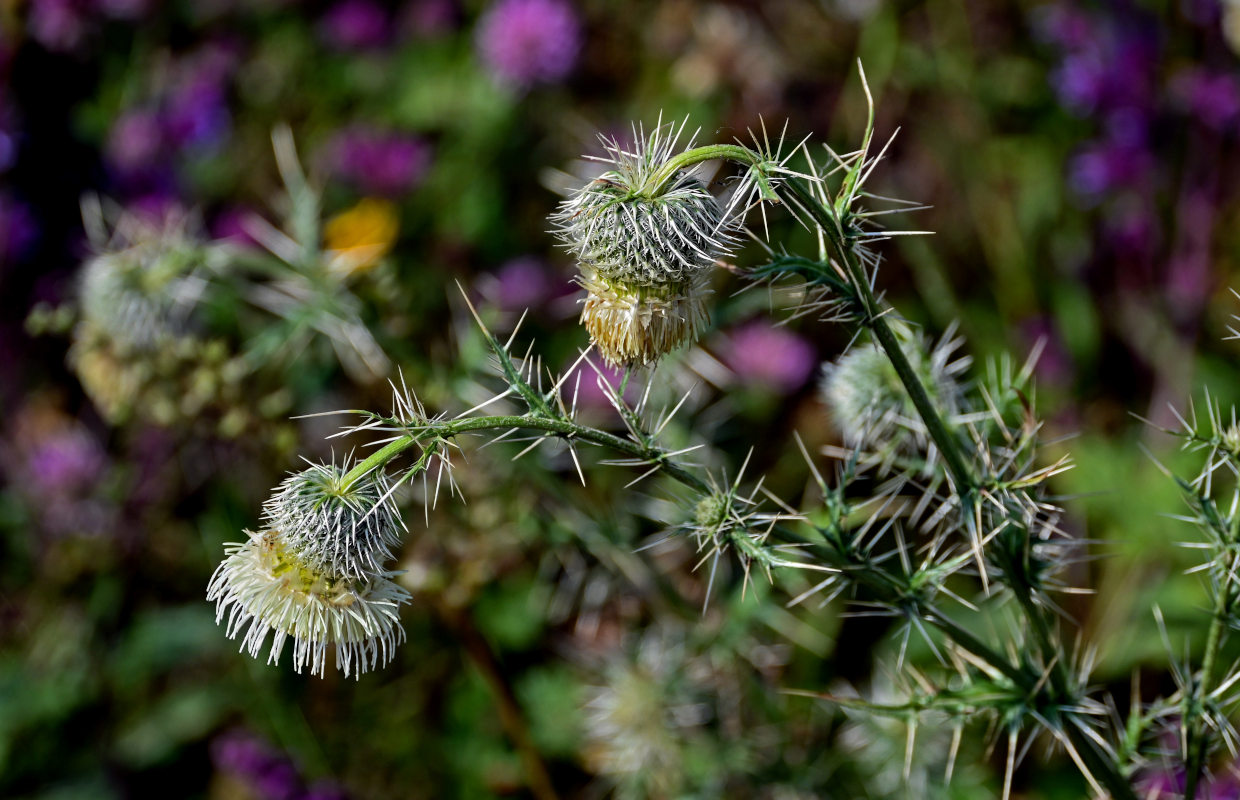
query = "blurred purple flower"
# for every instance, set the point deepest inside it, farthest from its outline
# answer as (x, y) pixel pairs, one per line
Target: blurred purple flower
(271, 774)
(1212, 97)
(429, 18)
(135, 141)
(8, 137)
(1107, 62)
(527, 42)
(18, 229)
(324, 791)
(1054, 365)
(1131, 228)
(65, 461)
(1064, 26)
(771, 357)
(230, 224)
(379, 163)
(1107, 165)
(59, 25)
(124, 9)
(582, 384)
(524, 282)
(355, 25)
(197, 114)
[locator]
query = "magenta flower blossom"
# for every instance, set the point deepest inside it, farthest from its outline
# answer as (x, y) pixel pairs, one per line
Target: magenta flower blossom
(528, 42)
(267, 771)
(770, 357)
(429, 18)
(1211, 97)
(135, 141)
(355, 25)
(379, 163)
(524, 282)
(18, 229)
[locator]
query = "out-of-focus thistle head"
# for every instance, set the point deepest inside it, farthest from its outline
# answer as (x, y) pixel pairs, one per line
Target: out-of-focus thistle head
(140, 287)
(639, 722)
(631, 324)
(644, 240)
(869, 403)
(347, 528)
(262, 587)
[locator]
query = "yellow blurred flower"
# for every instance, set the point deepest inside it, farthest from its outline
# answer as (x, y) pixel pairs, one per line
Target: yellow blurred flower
(360, 236)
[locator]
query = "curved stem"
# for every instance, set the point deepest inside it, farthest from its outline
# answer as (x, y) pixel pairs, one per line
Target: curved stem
(713, 152)
(875, 320)
(565, 428)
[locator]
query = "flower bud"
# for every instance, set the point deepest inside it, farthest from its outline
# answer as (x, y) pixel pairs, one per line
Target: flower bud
(345, 528)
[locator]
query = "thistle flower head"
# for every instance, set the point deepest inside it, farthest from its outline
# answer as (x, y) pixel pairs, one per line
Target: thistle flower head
(262, 587)
(634, 228)
(639, 324)
(869, 403)
(346, 528)
(139, 289)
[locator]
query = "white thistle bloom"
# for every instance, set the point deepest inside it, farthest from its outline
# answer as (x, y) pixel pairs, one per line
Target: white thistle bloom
(870, 405)
(261, 588)
(638, 324)
(347, 529)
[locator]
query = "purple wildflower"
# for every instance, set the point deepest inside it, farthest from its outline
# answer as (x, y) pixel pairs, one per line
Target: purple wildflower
(18, 229)
(124, 9)
(521, 283)
(429, 18)
(197, 114)
(59, 25)
(379, 163)
(355, 25)
(230, 225)
(135, 141)
(271, 774)
(1064, 26)
(1104, 166)
(65, 461)
(527, 42)
(769, 357)
(1212, 97)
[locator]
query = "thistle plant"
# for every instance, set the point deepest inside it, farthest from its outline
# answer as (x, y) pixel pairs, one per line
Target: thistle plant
(937, 514)
(172, 327)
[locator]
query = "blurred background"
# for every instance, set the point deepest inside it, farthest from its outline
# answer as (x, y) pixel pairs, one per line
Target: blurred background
(1081, 166)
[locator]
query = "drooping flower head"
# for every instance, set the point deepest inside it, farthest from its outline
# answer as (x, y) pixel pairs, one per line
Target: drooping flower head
(262, 588)
(344, 527)
(644, 241)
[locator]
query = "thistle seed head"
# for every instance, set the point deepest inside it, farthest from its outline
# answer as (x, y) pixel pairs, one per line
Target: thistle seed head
(346, 529)
(263, 588)
(638, 324)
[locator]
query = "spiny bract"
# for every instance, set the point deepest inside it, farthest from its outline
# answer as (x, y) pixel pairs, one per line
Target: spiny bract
(345, 527)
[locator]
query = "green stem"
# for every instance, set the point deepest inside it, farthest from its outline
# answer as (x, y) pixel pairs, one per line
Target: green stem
(713, 152)
(1199, 732)
(875, 320)
(565, 428)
